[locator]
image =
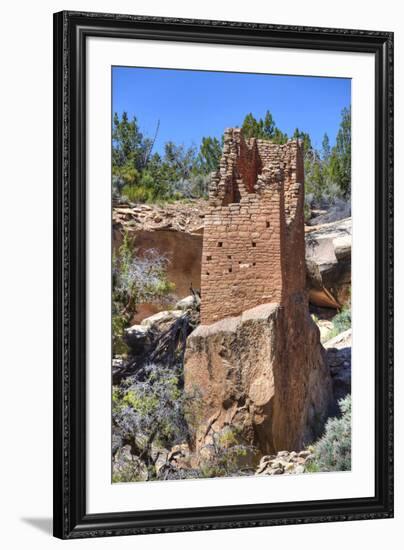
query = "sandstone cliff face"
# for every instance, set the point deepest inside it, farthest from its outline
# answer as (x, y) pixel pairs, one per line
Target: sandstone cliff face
(183, 251)
(175, 232)
(263, 372)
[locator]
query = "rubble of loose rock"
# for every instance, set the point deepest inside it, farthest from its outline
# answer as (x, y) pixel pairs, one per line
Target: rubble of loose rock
(285, 462)
(179, 216)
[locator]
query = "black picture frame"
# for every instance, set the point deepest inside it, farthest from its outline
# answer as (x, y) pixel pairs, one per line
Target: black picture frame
(70, 32)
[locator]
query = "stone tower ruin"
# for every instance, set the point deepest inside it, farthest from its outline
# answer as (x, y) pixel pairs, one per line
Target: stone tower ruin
(256, 358)
(253, 242)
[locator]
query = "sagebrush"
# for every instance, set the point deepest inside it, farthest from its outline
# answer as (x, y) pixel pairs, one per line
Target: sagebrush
(333, 450)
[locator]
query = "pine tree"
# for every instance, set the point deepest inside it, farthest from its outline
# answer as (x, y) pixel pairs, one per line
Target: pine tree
(326, 149)
(252, 127)
(268, 126)
(263, 128)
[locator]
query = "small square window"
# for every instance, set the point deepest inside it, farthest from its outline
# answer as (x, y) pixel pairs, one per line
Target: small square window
(254, 244)
(220, 244)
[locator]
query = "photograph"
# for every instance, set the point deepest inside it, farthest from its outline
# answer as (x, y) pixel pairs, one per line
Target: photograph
(231, 274)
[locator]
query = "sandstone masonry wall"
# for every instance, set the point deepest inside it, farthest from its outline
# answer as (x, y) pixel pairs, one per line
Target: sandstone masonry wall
(253, 243)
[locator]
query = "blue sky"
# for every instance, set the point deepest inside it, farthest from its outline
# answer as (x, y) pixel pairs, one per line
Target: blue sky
(193, 104)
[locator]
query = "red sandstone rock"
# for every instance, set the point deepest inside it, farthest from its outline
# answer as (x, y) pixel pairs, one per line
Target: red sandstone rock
(264, 372)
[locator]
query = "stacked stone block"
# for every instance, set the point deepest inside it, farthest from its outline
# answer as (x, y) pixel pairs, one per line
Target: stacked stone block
(253, 244)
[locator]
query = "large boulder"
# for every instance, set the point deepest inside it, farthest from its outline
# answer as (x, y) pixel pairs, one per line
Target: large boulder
(189, 302)
(263, 372)
(328, 263)
(139, 339)
(157, 339)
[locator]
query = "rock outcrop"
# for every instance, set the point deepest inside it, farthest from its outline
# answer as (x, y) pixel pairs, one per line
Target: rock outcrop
(264, 372)
(180, 216)
(328, 263)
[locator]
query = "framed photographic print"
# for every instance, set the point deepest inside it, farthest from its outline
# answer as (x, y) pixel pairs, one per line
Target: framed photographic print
(223, 267)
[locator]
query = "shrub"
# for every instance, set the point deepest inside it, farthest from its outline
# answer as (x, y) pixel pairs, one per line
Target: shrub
(341, 322)
(196, 186)
(127, 467)
(119, 346)
(135, 279)
(307, 212)
(137, 193)
(333, 450)
(311, 467)
(149, 410)
(227, 454)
